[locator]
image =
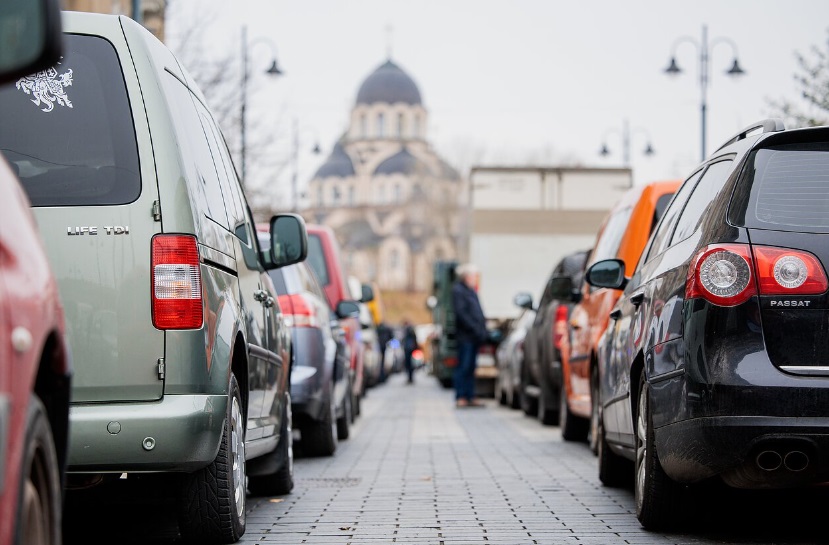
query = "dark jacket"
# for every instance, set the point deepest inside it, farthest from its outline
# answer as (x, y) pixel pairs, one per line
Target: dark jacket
(469, 317)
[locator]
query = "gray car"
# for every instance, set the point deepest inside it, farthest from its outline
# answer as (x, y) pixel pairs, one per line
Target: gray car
(180, 354)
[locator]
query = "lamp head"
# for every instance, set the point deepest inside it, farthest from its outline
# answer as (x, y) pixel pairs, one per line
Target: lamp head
(274, 69)
(604, 152)
(673, 69)
(649, 149)
(736, 69)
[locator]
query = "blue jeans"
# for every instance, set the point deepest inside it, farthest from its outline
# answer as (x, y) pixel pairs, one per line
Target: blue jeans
(465, 371)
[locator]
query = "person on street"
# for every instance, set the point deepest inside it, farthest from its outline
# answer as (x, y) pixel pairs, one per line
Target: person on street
(409, 346)
(471, 333)
(384, 335)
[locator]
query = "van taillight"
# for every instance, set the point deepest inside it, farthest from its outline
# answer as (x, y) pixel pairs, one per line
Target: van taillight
(176, 282)
(297, 312)
(559, 326)
(723, 273)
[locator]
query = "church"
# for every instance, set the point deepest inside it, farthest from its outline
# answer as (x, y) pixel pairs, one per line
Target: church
(394, 203)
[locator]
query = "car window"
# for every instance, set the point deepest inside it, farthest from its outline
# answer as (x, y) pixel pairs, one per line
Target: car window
(278, 278)
(788, 189)
(68, 132)
(662, 235)
(316, 259)
(607, 247)
(661, 204)
(234, 201)
(701, 198)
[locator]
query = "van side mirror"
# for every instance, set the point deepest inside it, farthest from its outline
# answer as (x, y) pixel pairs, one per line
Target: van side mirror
(523, 300)
(31, 36)
(367, 294)
(347, 309)
(609, 273)
(289, 241)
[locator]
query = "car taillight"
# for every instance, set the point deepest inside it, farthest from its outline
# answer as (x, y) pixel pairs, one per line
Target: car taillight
(721, 274)
(297, 312)
(559, 326)
(781, 271)
(176, 282)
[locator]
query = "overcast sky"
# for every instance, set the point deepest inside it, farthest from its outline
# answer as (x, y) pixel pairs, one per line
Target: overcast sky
(518, 81)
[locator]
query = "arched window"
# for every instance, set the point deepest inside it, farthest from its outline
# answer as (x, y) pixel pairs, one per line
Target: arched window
(394, 259)
(381, 122)
(335, 196)
(417, 126)
(319, 195)
(363, 125)
(401, 126)
(398, 193)
(351, 196)
(381, 195)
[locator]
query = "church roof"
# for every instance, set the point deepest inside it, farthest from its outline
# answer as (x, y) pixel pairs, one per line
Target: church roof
(390, 84)
(338, 164)
(402, 162)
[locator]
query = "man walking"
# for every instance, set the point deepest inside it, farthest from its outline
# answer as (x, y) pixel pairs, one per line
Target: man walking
(471, 333)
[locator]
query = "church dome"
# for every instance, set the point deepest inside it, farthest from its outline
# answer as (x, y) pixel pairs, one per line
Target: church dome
(402, 162)
(338, 164)
(389, 84)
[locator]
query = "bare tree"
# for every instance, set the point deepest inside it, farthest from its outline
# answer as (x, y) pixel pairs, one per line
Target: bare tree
(812, 79)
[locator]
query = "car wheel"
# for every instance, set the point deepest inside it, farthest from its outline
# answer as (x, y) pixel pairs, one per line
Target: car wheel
(573, 428)
(614, 471)
(529, 404)
(212, 505)
(593, 431)
(355, 407)
(547, 410)
(446, 382)
(319, 437)
(281, 481)
(39, 512)
(656, 496)
(515, 399)
(344, 422)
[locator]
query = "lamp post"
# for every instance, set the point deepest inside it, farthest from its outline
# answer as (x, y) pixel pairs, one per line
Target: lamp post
(705, 49)
(626, 135)
(273, 71)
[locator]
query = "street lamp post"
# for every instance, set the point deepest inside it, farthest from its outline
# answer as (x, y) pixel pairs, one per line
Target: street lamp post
(273, 71)
(705, 49)
(626, 136)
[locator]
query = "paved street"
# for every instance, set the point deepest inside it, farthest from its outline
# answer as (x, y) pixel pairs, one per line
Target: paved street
(417, 470)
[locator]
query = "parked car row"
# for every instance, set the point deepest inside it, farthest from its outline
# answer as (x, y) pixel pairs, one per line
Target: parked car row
(695, 348)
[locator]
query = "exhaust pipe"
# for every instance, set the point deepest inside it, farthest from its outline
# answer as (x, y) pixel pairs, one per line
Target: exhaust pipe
(769, 460)
(796, 461)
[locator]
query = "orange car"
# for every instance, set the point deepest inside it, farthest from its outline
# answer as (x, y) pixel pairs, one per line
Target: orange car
(623, 235)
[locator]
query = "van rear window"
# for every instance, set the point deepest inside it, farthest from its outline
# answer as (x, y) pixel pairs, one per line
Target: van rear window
(316, 259)
(789, 189)
(68, 132)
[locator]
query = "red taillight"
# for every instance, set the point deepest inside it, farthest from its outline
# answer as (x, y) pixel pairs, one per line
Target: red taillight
(297, 312)
(176, 282)
(560, 326)
(450, 362)
(723, 273)
(781, 271)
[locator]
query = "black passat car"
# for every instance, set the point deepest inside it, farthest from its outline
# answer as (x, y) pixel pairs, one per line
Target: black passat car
(319, 359)
(716, 362)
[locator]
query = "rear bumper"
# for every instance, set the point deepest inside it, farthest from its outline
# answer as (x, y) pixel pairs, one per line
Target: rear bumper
(177, 433)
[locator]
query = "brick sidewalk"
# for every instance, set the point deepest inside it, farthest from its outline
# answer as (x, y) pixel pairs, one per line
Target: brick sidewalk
(417, 470)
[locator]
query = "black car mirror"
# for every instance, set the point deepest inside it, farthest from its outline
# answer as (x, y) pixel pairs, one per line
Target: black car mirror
(348, 309)
(561, 287)
(523, 300)
(495, 336)
(289, 241)
(32, 38)
(609, 273)
(575, 296)
(367, 294)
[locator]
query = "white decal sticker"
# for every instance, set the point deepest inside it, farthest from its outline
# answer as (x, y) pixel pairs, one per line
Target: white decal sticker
(47, 87)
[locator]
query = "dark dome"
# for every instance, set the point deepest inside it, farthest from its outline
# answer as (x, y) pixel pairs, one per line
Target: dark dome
(390, 84)
(402, 162)
(338, 164)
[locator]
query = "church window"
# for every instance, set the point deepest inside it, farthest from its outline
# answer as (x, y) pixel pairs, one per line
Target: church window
(398, 193)
(335, 196)
(380, 125)
(350, 196)
(381, 195)
(319, 195)
(394, 259)
(363, 125)
(401, 126)
(416, 126)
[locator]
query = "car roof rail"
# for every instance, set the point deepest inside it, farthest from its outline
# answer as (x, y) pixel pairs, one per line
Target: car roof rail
(772, 124)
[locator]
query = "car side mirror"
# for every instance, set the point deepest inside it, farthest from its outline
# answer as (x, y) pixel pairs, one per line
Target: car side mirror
(289, 241)
(562, 288)
(609, 273)
(523, 300)
(575, 296)
(367, 294)
(32, 38)
(348, 309)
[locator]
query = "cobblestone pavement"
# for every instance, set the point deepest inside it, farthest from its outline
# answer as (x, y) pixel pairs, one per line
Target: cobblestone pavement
(418, 470)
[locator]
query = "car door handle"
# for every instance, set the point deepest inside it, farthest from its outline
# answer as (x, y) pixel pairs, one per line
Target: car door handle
(616, 314)
(268, 302)
(260, 295)
(637, 299)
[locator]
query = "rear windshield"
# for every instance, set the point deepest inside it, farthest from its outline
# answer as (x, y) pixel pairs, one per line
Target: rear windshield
(316, 259)
(67, 131)
(787, 189)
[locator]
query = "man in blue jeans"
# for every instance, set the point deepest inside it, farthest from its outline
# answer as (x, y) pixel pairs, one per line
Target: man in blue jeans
(471, 333)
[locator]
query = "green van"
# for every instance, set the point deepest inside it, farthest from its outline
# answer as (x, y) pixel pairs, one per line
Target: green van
(180, 353)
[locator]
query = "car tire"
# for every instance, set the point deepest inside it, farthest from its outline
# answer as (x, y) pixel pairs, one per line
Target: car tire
(515, 400)
(281, 481)
(529, 404)
(39, 512)
(446, 382)
(573, 428)
(614, 471)
(211, 508)
(344, 421)
(657, 497)
(547, 410)
(355, 407)
(595, 411)
(319, 437)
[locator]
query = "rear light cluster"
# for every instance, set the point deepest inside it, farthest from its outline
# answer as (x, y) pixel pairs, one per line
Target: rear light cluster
(724, 274)
(297, 312)
(560, 326)
(176, 282)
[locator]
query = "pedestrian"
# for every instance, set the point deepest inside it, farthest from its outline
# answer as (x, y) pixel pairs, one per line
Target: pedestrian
(384, 335)
(471, 333)
(409, 346)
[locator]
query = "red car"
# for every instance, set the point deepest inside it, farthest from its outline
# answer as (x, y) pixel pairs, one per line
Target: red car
(34, 367)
